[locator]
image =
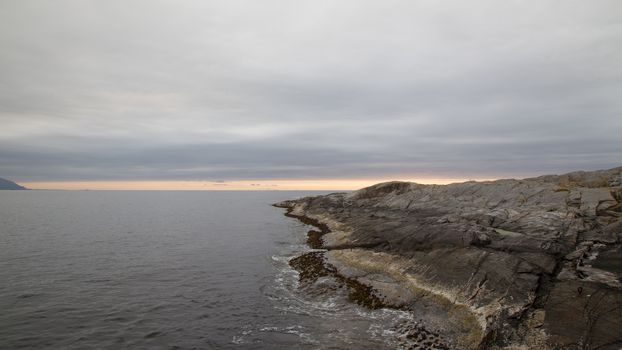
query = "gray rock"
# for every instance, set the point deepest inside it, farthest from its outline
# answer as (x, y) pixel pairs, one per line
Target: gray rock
(515, 254)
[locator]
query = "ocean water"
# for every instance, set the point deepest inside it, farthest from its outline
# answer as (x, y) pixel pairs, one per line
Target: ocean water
(167, 270)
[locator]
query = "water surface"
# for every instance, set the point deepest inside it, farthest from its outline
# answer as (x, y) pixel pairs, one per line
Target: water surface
(167, 270)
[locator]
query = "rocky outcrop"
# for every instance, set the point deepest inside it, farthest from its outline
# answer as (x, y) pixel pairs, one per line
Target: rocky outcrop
(517, 264)
(10, 185)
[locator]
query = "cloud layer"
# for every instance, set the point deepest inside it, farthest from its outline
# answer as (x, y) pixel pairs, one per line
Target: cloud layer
(226, 90)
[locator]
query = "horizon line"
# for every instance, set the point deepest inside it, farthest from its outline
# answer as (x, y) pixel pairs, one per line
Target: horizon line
(234, 185)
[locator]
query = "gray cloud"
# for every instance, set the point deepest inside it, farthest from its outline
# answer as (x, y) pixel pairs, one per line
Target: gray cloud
(102, 90)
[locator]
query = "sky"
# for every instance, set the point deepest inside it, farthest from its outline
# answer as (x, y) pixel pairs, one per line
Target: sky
(306, 93)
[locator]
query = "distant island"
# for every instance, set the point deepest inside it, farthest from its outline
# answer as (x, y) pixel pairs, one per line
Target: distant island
(10, 185)
(532, 263)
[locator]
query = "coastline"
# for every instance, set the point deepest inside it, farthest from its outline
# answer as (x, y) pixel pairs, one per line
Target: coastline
(506, 264)
(325, 261)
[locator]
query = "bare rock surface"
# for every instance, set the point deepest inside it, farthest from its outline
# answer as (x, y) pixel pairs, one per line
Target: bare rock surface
(516, 264)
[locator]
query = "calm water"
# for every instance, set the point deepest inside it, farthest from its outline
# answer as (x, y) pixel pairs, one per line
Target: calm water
(166, 270)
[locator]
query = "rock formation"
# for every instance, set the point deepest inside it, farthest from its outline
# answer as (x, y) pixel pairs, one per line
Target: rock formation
(10, 185)
(507, 264)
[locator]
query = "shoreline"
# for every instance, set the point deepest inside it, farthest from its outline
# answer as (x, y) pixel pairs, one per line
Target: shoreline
(315, 264)
(312, 265)
(507, 264)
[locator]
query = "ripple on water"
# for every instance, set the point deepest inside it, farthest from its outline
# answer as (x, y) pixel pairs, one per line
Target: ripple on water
(339, 323)
(90, 270)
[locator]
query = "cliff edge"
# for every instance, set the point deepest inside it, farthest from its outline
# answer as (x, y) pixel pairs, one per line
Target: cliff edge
(507, 264)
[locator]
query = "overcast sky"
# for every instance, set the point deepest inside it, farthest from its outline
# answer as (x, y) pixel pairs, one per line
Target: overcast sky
(229, 90)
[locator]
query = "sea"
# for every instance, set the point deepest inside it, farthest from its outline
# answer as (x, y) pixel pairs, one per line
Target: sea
(168, 270)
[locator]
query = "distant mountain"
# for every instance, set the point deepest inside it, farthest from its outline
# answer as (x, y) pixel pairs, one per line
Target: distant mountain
(10, 185)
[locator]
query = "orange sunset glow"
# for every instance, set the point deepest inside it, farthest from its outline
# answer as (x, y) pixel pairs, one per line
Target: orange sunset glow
(240, 185)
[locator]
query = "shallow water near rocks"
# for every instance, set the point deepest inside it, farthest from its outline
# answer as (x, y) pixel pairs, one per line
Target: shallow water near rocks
(168, 270)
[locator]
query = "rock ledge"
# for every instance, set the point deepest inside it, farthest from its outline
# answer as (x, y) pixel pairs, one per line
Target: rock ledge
(507, 264)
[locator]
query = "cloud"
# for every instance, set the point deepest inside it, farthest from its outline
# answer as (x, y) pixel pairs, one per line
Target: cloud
(209, 90)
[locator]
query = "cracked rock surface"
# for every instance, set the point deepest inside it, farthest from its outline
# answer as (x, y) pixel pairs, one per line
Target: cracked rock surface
(516, 264)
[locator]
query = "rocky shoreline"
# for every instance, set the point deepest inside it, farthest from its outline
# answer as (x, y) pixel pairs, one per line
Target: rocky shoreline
(507, 264)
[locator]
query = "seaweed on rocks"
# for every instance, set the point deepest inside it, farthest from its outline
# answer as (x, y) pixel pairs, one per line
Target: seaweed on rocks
(313, 265)
(314, 237)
